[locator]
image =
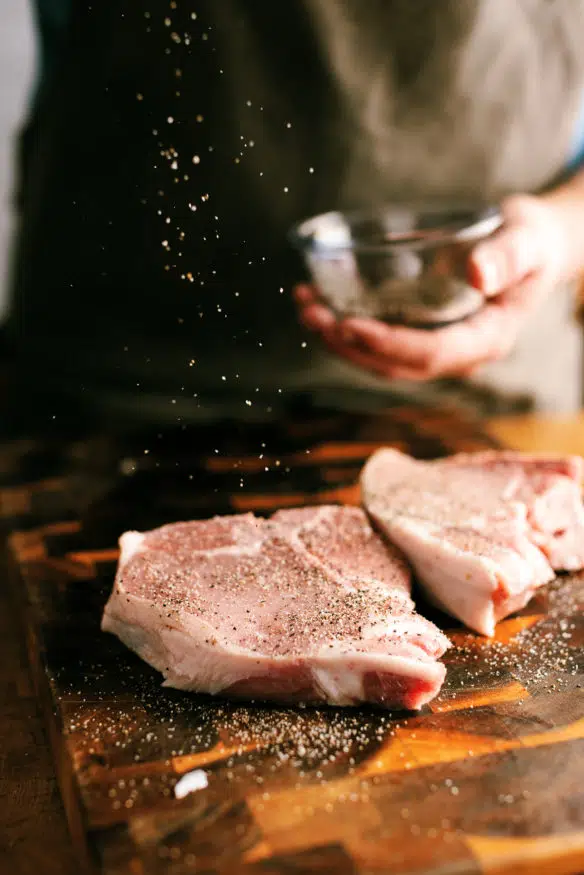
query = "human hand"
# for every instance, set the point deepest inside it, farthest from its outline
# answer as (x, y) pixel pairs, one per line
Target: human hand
(514, 270)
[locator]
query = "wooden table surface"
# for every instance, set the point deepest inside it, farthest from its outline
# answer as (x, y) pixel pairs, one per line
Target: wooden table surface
(560, 434)
(33, 832)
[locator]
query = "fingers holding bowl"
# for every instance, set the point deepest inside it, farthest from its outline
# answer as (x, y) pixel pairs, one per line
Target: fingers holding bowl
(313, 314)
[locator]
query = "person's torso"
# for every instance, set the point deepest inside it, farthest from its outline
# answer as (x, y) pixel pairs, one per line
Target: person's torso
(171, 151)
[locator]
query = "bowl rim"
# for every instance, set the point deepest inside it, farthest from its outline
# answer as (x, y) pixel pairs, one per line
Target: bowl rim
(489, 219)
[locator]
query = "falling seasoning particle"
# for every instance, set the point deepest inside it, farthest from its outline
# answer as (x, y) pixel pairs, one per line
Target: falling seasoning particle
(170, 120)
(196, 159)
(139, 96)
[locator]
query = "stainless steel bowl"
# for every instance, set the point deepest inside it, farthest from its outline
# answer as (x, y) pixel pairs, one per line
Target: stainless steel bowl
(402, 264)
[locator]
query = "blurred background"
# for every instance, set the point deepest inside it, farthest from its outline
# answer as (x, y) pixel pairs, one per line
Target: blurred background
(16, 72)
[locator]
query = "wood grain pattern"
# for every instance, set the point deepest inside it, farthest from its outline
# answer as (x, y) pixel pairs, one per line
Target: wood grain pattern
(488, 779)
(33, 832)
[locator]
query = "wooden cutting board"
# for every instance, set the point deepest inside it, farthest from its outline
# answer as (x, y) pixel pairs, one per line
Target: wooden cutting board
(488, 779)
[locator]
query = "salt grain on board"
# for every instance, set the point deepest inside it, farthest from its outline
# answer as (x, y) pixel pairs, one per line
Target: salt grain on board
(190, 783)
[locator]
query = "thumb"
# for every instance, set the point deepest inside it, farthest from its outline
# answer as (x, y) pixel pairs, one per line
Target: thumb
(506, 259)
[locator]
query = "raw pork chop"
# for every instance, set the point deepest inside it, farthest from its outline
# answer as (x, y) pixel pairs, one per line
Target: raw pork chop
(310, 605)
(482, 530)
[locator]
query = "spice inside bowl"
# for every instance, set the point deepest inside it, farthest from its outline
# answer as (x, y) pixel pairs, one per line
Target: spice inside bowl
(403, 264)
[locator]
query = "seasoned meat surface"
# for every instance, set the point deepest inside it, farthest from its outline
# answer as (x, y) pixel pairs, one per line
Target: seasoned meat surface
(483, 531)
(310, 605)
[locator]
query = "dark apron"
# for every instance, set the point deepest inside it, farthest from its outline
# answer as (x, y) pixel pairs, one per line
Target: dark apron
(168, 155)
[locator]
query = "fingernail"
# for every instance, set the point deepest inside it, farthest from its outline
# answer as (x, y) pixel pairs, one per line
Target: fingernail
(488, 272)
